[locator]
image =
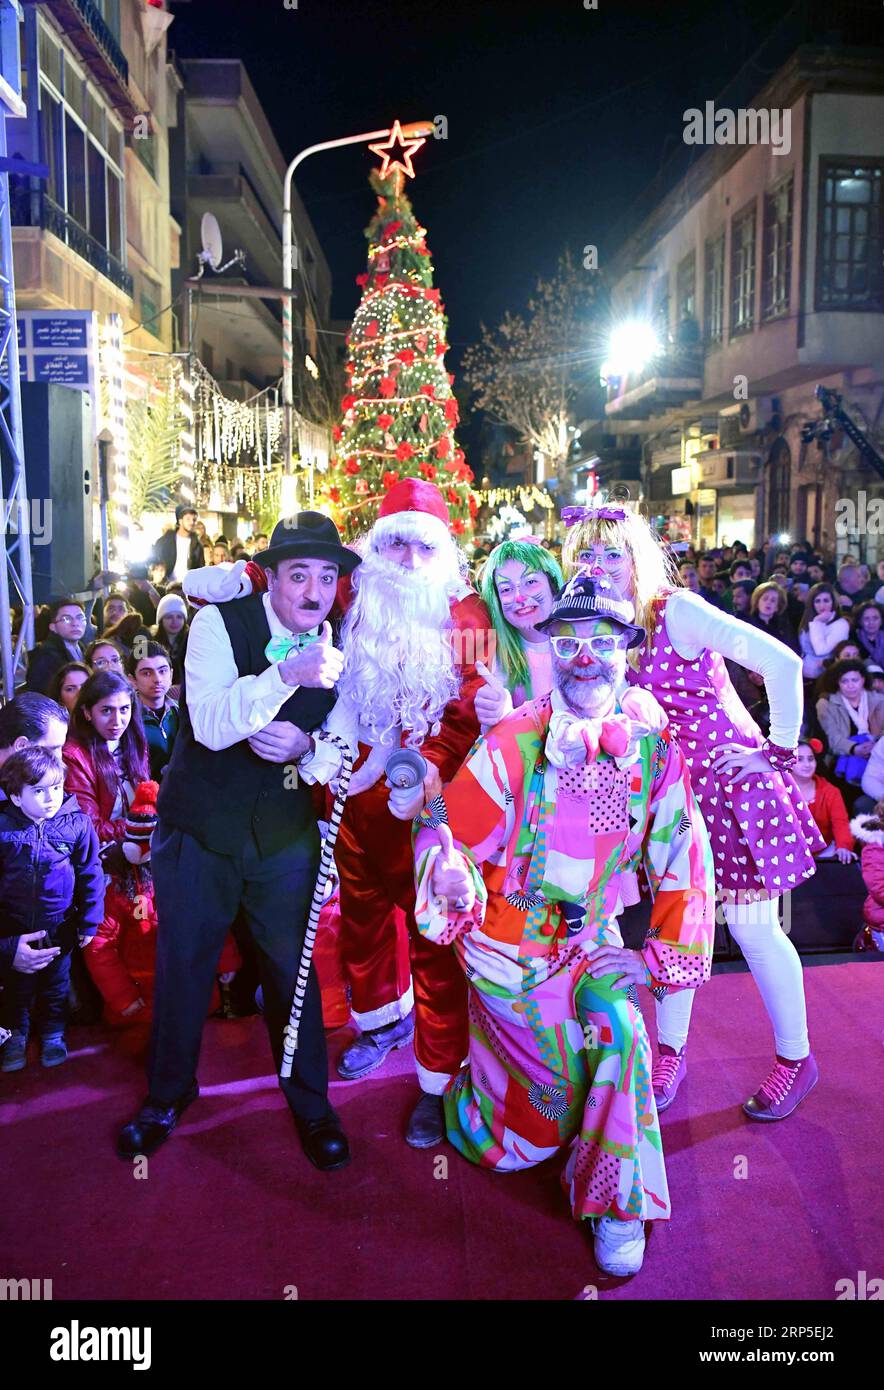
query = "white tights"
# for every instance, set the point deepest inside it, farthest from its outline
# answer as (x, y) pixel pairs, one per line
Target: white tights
(776, 969)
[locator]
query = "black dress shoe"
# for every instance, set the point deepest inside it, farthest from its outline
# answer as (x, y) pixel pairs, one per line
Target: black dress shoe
(427, 1124)
(153, 1124)
(324, 1142)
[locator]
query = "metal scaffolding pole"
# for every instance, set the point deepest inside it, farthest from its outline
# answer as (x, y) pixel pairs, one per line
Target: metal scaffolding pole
(15, 559)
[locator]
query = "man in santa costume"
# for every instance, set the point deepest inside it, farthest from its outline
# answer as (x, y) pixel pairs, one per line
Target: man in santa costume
(412, 634)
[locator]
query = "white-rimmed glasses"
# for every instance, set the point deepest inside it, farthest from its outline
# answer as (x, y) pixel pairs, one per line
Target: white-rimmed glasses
(567, 648)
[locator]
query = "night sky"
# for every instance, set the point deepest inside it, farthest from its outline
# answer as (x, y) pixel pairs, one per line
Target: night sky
(558, 117)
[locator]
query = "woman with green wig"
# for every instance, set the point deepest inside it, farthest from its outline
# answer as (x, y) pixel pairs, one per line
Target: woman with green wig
(519, 582)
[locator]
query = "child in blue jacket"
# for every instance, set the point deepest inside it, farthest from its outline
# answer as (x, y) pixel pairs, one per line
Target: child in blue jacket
(51, 882)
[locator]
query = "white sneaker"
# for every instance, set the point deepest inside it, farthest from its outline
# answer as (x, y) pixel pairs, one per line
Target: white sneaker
(619, 1246)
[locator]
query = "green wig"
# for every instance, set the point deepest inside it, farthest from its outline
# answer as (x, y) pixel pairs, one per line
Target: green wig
(510, 652)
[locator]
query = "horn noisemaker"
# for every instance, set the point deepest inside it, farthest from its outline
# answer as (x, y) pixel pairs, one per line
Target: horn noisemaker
(405, 768)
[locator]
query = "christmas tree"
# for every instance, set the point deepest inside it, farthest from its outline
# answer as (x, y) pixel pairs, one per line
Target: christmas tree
(399, 412)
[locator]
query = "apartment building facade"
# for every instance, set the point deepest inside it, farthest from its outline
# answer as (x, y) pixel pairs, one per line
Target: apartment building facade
(96, 233)
(761, 275)
(93, 246)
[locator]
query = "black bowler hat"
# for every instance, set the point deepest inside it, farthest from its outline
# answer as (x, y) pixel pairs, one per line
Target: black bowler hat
(585, 598)
(307, 536)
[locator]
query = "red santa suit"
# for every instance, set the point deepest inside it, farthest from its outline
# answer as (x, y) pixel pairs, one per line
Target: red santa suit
(389, 964)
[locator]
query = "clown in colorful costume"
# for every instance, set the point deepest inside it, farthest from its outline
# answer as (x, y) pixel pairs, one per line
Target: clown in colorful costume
(556, 1052)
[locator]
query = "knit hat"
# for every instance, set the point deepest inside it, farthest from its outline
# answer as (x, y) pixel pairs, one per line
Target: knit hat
(141, 818)
(183, 508)
(171, 603)
(412, 499)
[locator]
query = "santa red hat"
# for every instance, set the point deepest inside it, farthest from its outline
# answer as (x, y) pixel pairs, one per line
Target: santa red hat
(415, 504)
(415, 495)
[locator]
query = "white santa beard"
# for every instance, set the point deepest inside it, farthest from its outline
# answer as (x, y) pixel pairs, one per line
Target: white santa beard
(398, 662)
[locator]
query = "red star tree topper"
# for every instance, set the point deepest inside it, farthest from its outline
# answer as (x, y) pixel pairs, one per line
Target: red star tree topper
(399, 412)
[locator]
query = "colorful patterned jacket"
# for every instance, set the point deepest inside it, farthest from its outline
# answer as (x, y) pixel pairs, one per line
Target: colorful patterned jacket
(537, 837)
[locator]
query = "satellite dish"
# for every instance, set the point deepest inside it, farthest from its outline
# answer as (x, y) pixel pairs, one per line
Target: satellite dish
(210, 235)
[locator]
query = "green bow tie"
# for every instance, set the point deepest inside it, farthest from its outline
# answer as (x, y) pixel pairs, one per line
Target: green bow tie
(282, 646)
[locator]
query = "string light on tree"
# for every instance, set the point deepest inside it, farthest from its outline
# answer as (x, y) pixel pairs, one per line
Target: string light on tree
(399, 413)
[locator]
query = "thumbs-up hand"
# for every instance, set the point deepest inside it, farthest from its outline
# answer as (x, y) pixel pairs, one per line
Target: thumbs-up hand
(493, 701)
(451, 876)
(317, 665)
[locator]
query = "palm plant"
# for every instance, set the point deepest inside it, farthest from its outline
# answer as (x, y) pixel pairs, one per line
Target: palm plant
(154, 425)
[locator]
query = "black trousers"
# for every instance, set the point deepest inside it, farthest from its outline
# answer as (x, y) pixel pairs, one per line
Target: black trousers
(198, 894)
(42, 997)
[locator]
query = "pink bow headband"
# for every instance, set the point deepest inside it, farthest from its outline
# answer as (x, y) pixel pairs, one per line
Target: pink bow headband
(571, 515)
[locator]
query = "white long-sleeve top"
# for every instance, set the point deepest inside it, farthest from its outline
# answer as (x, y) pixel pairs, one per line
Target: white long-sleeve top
(694, 625)
(818, 641)
(225, 707)
(873, 777)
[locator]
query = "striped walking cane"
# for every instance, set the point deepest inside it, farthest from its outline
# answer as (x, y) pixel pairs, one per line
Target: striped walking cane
(290, 1032)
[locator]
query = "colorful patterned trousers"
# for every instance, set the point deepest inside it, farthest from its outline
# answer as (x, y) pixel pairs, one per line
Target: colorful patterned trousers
(567, 1062)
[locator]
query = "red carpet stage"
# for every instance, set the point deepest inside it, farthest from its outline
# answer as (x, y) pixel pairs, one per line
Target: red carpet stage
(230, 1208)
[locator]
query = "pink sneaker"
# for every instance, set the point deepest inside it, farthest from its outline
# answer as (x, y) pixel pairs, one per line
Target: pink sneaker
(784, 1090)
(669, 1071)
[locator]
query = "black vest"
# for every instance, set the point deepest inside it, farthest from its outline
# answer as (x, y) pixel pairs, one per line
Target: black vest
(221, 798)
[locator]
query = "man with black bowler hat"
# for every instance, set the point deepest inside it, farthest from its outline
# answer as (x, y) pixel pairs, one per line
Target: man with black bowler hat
(237, 827)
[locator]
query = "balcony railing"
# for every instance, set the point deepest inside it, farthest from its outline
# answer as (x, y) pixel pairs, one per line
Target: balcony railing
(103, 35)
(38, 210)
(674, 376)
(95, 42)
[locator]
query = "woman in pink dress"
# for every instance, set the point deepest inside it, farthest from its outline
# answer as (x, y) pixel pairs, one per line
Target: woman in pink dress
(763, 836)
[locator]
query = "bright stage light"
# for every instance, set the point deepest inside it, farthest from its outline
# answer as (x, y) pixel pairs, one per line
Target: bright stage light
(631, 347)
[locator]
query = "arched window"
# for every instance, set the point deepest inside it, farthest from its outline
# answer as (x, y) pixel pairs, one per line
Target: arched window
(779, 464)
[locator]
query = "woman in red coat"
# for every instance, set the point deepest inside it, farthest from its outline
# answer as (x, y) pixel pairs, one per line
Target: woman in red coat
(869, 831)
(105, 760)
(825, 802)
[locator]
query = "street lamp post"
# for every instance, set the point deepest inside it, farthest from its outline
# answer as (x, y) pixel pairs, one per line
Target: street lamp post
(289, 255)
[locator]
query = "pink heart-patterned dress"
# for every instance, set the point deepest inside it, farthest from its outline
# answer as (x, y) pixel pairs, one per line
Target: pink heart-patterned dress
(763, 835)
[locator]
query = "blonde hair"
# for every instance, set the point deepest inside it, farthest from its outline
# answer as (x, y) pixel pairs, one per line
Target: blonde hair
(653, 566)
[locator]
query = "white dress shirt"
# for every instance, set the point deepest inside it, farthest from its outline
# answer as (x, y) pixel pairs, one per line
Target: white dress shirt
(225, 707)
(693, 625)
(182, 557)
